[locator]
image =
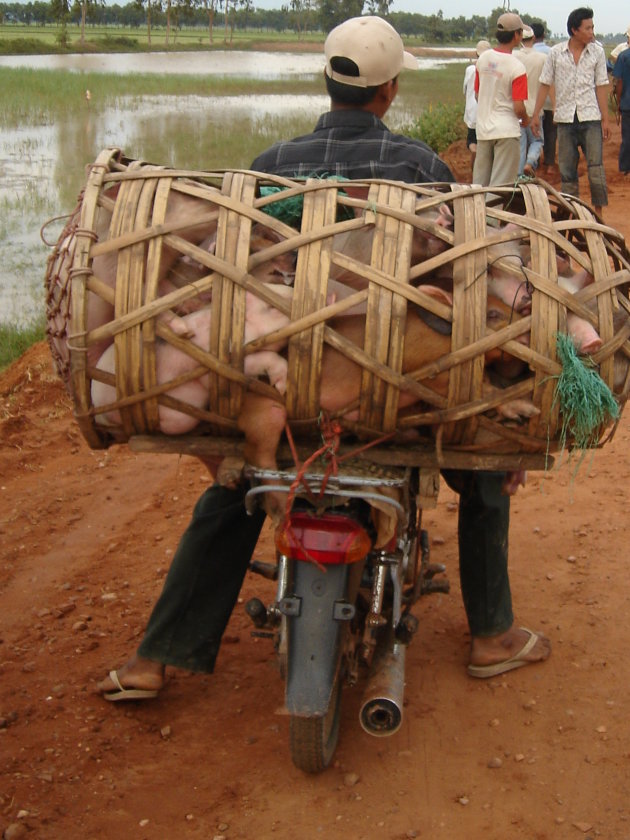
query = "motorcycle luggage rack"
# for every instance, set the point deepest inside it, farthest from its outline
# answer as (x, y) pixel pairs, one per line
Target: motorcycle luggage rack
(346, 486)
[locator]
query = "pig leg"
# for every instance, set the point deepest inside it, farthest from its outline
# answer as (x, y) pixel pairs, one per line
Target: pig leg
(517, 409)
(262, 421)
(512, 481)
(268, 363)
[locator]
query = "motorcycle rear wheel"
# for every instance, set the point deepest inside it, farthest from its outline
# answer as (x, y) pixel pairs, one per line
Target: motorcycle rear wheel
(313, 740)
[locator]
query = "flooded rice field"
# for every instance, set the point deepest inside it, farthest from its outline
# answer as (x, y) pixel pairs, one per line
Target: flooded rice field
(42, 165)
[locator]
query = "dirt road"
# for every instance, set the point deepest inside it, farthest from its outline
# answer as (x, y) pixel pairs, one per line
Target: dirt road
(86, 538)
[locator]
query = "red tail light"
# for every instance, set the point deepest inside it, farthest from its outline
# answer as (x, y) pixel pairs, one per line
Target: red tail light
(327, 539)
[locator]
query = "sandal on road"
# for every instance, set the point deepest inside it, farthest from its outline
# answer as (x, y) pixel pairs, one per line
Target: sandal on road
(123, 693)
(517, 661)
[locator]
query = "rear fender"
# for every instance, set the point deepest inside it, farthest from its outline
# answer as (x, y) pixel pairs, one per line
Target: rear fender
(315, 635)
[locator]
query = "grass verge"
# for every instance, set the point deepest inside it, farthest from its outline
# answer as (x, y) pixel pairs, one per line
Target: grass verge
(14, 341)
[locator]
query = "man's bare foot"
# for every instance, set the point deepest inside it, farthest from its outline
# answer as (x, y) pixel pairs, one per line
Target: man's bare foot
(138, 673)
(495, 655)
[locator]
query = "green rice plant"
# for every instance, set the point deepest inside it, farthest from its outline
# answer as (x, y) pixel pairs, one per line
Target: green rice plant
(38, 96)
(438, 126)
(47, 97)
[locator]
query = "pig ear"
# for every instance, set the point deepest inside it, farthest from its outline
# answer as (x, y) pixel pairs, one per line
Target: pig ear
(265, 233)
(446, 217)
(437, 293)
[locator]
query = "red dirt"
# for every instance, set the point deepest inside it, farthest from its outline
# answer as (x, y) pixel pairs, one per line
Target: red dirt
(86, 538)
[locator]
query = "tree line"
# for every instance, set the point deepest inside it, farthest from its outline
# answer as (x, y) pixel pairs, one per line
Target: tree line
(299, 16)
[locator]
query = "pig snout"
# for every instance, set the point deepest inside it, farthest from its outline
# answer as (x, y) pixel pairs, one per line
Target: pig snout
(584, 336)
(513, 291)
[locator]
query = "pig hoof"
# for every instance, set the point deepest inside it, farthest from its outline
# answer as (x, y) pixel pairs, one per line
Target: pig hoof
(275, 507)
(517, 410)
(230, 471)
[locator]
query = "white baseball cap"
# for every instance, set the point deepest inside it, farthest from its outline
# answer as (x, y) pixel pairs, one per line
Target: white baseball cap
(373, 45)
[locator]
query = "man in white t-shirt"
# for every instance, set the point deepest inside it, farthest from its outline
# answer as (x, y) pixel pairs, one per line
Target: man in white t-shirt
(501, 86)
(619, 49)
(531, 145)
(470, 112)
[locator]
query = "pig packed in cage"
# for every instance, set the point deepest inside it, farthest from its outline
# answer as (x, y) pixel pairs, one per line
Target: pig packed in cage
(437, 318)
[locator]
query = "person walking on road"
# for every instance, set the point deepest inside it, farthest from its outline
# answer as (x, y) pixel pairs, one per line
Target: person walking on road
(577, 69)
(621, 75)
(470, 111)
(501, 86)
(531, 145)
(549, 128)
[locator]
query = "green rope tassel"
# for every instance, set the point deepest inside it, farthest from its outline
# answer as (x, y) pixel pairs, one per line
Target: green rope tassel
(586, 403)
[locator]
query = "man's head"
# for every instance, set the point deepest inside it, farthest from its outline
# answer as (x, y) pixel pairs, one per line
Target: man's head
(362, 54)
(580, 24)
(539, 30)
(509, 28)
(528, 36)
(482, 46)
(628, 34)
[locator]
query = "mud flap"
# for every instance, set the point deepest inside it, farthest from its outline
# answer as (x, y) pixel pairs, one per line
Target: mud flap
(316, 624)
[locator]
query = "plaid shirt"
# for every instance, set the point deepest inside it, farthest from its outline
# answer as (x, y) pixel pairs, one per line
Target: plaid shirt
(575, 83)
(355, 145)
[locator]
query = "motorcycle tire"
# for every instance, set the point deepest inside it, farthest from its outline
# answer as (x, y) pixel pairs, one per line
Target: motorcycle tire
(313, 740)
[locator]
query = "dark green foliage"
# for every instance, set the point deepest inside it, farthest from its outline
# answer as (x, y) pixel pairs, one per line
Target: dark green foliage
(438, 126)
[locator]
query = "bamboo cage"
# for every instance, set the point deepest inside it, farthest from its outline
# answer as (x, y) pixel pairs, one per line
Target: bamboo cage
(114, 278)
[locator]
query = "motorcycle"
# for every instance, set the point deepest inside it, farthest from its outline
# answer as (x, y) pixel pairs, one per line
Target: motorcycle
(342, 610)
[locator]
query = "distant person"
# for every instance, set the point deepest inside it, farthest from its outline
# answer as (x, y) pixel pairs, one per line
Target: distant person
(501, 86)
(470, 111)
(549, 128)
(531, 144)
(621, 75)
(618, 50)
(577, 68)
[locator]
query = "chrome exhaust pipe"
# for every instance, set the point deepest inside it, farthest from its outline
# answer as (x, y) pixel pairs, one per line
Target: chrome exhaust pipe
(382, 705)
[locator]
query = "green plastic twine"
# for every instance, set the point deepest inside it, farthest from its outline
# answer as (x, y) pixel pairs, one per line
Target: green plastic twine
(289, 210)
(586, 403)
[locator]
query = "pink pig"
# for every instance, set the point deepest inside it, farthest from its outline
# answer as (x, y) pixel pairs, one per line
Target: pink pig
(260, 319)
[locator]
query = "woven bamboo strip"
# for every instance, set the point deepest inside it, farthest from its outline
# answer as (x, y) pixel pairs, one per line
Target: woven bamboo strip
(228, 299)
(469, 296)
(79, 275)
(601, 268)
(128, 274)
(310, 287)
(386, 311)
(547, 317)
(154, 256)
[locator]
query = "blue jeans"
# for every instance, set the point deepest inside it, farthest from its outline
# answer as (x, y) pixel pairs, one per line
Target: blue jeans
(203, 583)
(587, 136)
(624, 149)
(531, 149)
